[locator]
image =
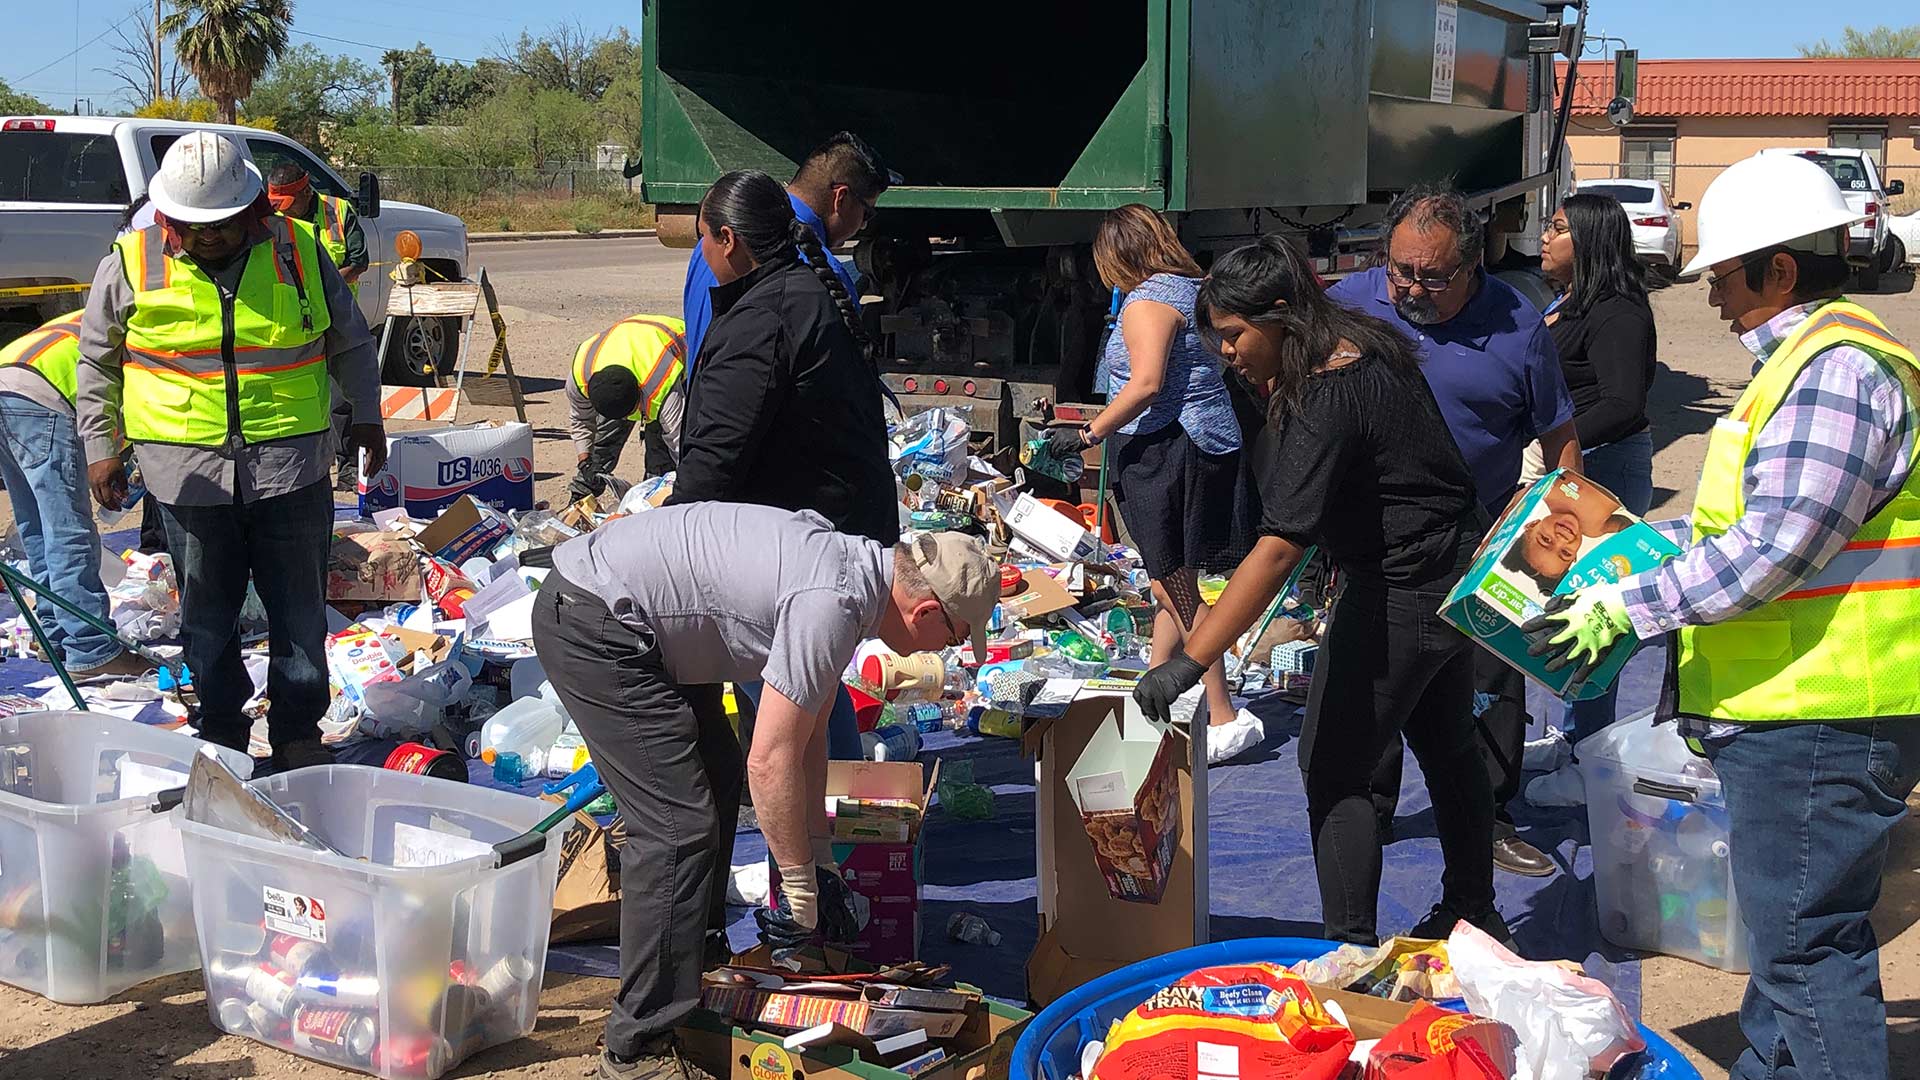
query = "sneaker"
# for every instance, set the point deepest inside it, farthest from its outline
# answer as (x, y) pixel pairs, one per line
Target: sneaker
(1548, 753)
(125, 666)
(1235, 737)
(659, 1058)
(301, 755)
(1438, 925)
(1564, 786)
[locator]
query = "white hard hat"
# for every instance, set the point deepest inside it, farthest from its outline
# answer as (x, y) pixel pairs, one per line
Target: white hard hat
(203, 178)
(1765, 200)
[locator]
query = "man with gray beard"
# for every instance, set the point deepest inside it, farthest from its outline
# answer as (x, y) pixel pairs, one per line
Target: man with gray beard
(1493, 370)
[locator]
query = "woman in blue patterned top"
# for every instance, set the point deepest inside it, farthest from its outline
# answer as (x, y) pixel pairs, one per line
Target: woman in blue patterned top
(1180, 479)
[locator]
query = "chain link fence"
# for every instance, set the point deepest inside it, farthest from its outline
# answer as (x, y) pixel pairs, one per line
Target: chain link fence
(575, 195)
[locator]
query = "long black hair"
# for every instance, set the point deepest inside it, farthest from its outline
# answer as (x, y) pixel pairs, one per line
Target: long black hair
(1269, 283)
(1603, 261)
(757, 209)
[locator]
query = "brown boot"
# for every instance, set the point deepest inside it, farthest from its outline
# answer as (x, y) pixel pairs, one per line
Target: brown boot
(125, 666)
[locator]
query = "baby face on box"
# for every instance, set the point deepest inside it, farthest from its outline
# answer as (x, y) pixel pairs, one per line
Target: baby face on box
(1572, 518)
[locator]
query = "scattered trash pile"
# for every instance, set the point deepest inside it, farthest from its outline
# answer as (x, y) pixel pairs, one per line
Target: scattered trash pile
(1372, 1013)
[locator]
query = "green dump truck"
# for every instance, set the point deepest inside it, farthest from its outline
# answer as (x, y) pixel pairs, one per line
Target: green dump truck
(1015, 126)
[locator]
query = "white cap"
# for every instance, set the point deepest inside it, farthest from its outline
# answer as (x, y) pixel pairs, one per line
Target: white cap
(1765, 200)
(204, 178)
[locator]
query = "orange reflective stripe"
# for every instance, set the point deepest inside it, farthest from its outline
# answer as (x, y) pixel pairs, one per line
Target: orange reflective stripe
(663, 367)
(1851, 587)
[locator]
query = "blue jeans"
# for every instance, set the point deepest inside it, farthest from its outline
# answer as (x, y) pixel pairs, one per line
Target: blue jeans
(45, 471)
(281, 544)
(843, 729)
(1810, 807)
(1626, 469)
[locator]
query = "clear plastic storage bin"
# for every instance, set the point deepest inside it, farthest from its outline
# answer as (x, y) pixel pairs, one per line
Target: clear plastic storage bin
(423, 945)
(93, 881)
(1661, 864)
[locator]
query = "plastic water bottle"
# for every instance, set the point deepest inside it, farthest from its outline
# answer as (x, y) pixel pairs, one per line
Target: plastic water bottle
(136, 491)
(971, 929)
(925, 716)
(892, 742)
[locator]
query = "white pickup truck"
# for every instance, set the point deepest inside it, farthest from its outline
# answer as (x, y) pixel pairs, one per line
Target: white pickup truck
(1874, 248)
(65, 184)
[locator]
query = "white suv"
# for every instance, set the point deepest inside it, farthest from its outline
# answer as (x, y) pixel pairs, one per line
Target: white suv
(1867, 193)
(1656, 231)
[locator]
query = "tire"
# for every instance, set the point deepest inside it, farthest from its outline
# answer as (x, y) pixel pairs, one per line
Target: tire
(422, 352)
(1895, 260)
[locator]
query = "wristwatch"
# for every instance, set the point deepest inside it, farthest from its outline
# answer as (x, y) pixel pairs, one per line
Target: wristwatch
(1087, 436)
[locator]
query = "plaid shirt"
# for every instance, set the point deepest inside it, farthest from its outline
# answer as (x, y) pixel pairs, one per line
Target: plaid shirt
(1839, 446)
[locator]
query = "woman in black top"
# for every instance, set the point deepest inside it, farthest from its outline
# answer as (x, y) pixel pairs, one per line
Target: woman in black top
(1360, 463)
(1602, 327)
(784, 405)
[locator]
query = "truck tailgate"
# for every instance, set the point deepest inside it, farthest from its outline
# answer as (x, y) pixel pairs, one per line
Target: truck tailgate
(42, 247)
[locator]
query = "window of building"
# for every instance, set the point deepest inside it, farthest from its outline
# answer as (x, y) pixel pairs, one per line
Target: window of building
(1646, 153)
(1871, 138)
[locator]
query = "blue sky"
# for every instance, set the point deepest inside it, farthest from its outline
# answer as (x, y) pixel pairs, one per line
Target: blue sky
(41, 32)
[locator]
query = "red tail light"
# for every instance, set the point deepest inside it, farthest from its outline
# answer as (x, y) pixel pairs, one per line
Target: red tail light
(969, 387)
(1657, 222)
(27, 125)
(910, 384)
(939, 386)
(1873, 211)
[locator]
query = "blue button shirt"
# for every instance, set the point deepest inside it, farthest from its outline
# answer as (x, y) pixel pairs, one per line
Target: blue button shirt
(1492, 368)
(697, 305)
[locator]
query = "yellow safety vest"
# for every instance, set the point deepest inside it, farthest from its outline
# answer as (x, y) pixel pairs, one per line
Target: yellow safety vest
(177, 382)
(330, 221)
(1840, 647)
(52, 351)
(653, 347)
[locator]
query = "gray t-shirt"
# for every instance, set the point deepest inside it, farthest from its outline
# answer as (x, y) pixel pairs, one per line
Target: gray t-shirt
(734, 593)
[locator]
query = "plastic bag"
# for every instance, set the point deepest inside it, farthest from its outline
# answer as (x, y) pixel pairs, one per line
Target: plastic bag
(1434, 1044)
(645, 495)
(413, 705)
(932, 444)
(1400, 969)
(1259, 1017)
(1568, 1024)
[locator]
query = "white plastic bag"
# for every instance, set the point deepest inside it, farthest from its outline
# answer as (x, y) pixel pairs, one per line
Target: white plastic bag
(1569, 1024)
(411, 706)
(933, 444)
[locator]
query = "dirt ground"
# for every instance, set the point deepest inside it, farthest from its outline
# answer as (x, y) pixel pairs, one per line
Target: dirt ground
(558, 293)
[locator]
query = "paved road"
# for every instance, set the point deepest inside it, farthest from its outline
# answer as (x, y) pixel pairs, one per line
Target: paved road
(642, 254)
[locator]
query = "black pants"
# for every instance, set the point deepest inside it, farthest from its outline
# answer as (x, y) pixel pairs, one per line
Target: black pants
(609, 439)
(675, 769)
(153, 527)
(1501, 730)
(1390, 665)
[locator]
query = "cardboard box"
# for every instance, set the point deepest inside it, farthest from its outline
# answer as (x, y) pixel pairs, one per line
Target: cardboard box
(1123, 784)
(427, 471)
(373, 568)
(982, 1050)
(780, 1010)
(465, 529)
(1059, 537)
(1039, 595)
(1563, 533)
(1085, 931)
(887, 872)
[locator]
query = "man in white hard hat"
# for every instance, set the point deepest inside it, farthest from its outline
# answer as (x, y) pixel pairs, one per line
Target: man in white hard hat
(637, 625)
(1793, 662)
(207, 342)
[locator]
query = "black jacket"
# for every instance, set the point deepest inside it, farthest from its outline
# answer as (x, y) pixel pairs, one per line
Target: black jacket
(784, 409)
(1608, 357)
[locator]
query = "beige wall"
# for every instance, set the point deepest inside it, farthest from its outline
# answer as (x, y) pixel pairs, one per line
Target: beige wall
(1705, 145)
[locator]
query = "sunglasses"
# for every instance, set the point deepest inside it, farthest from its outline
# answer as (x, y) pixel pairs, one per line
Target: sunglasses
(954, 639)
(1715, 281)
(232, 224)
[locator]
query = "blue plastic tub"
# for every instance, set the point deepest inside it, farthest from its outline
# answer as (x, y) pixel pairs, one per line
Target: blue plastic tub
(1050, 1047)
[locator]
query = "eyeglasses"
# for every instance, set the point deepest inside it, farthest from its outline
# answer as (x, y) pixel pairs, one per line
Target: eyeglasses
(1432, 283)
(232, 224)
(1714, 281)
(954, 640)
(1558, 227)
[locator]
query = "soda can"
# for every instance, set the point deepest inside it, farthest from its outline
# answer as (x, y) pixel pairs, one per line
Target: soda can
(413, 1055)
(266, 1025)
(299, 957)
(350, 991)
(505, 979)
(272, 989)
(233, 1015)
(337, 1034)
(423, 760)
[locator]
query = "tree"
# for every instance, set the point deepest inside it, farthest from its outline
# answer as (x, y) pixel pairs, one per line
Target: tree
(306, 89)
(227, 44)
(620, 112)
(12, 102)
(132, 48)
(570, 58)
(197, 110)
(1881, 41)
(524, 125)
(427, 90)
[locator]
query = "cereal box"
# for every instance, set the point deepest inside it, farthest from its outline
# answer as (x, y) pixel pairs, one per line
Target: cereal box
(1127, 794)
(1564, 533)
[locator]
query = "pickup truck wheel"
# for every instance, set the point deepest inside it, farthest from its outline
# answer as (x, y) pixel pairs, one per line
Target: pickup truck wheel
(422, 352)
(1895, 260)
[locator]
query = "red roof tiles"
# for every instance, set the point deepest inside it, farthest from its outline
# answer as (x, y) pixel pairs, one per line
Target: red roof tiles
(1800, 87)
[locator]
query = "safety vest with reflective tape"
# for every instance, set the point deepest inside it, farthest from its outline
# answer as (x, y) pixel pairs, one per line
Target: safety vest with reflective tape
(653, 347)
(330, 221)
(1841, 646)
(177, 382)
(52, 351)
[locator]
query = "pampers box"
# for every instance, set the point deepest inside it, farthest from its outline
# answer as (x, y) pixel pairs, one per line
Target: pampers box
(1565, 533)
(428, 471)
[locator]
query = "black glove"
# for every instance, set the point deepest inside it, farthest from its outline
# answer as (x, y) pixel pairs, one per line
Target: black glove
(1159, 687)
(1065, 442)
(838, 923)
(781, 934)
(839, 920)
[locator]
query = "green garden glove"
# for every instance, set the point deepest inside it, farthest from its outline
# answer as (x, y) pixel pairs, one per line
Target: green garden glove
(1579, 626)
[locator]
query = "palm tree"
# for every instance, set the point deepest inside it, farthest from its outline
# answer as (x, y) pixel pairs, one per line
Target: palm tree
(227, 44)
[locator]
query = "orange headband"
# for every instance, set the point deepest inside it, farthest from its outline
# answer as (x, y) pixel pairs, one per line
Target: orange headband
(282, 195)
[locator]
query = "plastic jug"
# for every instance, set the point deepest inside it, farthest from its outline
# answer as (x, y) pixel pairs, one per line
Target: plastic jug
(526, 678)
(527, 727)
